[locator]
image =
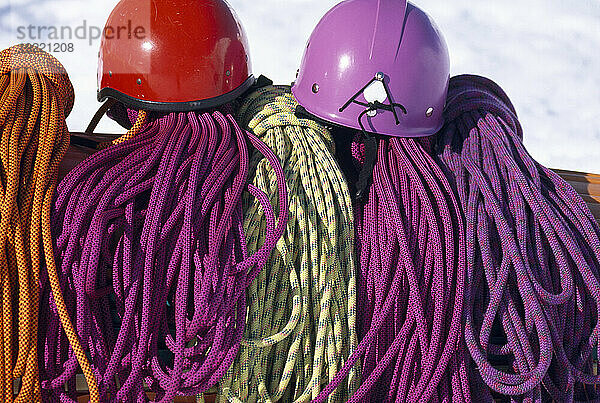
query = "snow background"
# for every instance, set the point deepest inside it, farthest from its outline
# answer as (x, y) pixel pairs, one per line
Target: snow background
(544, 53)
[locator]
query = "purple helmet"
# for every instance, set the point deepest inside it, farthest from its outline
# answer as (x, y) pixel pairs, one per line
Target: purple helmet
(377, 65)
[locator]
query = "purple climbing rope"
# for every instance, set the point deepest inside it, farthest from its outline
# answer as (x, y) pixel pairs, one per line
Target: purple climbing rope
(533, 256)
(410, 236)
(149, 237)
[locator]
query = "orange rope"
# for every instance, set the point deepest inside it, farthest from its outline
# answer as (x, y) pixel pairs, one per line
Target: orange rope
(135, 130)
(35, 98)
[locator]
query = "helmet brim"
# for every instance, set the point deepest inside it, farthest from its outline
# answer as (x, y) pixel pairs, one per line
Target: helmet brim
(135, 103)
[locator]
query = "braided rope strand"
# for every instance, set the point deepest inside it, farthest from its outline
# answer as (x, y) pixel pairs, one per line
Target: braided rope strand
(533, 255)
(36, 98)
(151, 229)
(301, 323)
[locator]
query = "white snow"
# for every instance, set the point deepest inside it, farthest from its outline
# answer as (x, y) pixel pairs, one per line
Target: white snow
(545, 54)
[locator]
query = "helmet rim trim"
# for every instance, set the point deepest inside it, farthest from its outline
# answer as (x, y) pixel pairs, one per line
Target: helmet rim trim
(188, 106)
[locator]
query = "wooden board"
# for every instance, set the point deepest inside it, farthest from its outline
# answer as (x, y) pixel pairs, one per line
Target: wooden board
(587, 186)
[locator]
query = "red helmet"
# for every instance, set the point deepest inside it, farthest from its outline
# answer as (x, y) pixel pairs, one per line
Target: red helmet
(173, 55)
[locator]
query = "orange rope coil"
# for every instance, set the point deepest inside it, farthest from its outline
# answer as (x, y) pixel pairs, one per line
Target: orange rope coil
(36, 95)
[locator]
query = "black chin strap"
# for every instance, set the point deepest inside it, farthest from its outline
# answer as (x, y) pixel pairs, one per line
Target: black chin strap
(365, 177)
(371, 146)
(99, 114)
(87, 138)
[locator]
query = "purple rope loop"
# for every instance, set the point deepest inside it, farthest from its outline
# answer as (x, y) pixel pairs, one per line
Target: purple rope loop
(149, 236)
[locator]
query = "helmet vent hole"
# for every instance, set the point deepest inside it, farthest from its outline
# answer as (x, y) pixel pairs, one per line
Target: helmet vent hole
(315, 88)
(139, 81)
(429, 112)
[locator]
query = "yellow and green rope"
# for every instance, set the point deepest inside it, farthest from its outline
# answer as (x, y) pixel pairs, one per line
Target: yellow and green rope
(301, 320)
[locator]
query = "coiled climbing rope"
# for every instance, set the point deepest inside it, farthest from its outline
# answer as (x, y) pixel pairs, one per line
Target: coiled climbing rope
(35, 98)
(410, 235)
(302, 305)
(154, 265)
(533, 256)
